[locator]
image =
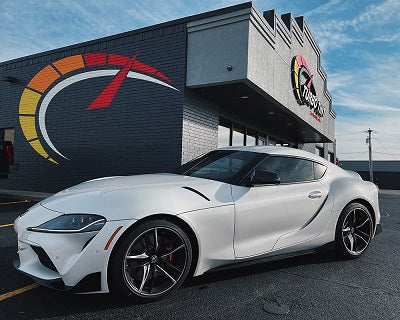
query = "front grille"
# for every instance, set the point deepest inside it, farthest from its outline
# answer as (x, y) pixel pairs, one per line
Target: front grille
(44, 258)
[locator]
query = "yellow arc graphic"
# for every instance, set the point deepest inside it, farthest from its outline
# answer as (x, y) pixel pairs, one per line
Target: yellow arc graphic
(33, 93)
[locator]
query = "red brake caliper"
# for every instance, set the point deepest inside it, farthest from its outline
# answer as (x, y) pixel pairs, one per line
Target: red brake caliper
(168, 248)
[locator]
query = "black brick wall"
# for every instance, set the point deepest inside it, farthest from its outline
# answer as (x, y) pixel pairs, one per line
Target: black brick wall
(200, 126)
(140, 132)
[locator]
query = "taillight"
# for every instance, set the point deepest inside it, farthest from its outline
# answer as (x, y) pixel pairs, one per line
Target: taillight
(377, 188)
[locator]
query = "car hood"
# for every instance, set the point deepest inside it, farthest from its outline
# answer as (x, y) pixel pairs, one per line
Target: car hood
(134, 197)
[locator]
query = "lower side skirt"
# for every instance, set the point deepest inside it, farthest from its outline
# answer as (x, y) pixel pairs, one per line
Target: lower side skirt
(256, 260)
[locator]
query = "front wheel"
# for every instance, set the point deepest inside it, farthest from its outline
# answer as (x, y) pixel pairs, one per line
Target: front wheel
(354, 230)
(150, 262)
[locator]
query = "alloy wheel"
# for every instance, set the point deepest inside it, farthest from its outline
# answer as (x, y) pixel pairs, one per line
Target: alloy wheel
(357, 231)
(155, 261)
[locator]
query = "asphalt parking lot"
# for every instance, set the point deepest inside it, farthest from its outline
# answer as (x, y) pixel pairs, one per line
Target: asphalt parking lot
(308, 287)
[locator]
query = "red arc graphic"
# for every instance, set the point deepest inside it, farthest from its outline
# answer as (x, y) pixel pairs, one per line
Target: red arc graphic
(310, 81)
(107, 95)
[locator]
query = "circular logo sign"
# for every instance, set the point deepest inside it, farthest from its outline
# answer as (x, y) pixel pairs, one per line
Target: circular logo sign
(304, 89)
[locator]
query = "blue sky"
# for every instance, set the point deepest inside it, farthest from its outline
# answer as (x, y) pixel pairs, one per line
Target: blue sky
(360, 42)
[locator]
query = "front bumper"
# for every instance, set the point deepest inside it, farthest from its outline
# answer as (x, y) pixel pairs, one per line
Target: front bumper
(90, 283)
(74, 262)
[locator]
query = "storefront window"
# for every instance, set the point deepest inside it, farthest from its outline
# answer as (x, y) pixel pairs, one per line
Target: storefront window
(271, 141)
(262, 139)
(319, 151)
(224, 131)
(251, 138)
(238, 135)
(234, 134)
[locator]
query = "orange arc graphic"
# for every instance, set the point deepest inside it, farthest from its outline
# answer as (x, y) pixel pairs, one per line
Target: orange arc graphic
(69, 64)
(43, 79)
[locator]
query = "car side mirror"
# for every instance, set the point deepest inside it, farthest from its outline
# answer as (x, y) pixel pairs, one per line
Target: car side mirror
(264, 177)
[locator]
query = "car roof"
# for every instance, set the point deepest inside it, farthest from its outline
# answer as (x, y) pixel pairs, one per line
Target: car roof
(277, 150)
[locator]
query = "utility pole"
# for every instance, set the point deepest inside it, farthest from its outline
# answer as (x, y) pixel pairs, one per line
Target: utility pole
(371, 169)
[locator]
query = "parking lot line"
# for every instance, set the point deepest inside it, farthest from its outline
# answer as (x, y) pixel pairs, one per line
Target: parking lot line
(18, 291)
(15, 202)
(6, 225)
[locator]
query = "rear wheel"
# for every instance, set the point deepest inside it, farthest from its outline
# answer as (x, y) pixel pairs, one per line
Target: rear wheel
(151, 262)
(354, 230)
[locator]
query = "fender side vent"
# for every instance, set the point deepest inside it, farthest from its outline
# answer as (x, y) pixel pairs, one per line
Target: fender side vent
(315, 214)
(197, 192)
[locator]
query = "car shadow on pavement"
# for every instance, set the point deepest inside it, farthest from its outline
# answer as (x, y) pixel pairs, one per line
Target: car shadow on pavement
(43, 302)
(262, 267)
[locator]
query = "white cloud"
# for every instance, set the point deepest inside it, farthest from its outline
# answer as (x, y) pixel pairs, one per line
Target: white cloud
(323, 8)
(375, 24)
(351, 141)
(374, 85)
(28, 27)
(355, 102)
(378, 14)
(339, 80)
(371, 97)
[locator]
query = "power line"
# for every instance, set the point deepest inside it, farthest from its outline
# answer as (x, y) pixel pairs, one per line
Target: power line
(392, 154)
(360, 153)
(351, 139)
(348, 133)
(356, 156)
(389, 140)
(391, 133)
(384, 147)
(352, 152)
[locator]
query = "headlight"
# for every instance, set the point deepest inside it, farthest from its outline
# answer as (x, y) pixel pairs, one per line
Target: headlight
(72, 223)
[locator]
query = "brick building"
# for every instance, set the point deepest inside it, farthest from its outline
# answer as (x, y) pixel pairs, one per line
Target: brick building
(149, 99)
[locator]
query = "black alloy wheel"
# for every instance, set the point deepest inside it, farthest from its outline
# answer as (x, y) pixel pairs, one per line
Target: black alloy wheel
(354, 230)
(151, 262)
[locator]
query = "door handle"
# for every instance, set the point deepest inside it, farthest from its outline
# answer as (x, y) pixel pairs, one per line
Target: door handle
(315, 195)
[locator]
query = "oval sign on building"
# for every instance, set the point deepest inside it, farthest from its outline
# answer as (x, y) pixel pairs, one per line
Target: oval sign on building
(304, 89)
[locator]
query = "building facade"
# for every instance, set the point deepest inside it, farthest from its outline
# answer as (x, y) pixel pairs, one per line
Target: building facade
(150, 99)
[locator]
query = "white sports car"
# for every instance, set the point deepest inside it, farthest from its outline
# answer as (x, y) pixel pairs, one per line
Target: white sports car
(142, 235)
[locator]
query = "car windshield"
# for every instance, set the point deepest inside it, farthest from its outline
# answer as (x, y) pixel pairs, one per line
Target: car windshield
(223, 165)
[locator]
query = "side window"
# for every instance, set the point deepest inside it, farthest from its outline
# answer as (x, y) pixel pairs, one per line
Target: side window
(289, 169)
(319, 170)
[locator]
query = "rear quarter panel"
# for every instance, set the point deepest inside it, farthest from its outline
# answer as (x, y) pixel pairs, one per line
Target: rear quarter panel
(348, 189)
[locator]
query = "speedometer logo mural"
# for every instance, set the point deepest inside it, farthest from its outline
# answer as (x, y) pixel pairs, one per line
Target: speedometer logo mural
(52, 79)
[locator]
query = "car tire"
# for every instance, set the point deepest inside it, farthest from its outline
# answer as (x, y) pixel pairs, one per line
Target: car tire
(354, 231)
(144, 269)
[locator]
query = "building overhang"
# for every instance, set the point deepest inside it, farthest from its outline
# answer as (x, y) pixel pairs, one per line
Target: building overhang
(242, 101)
(246, 53)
